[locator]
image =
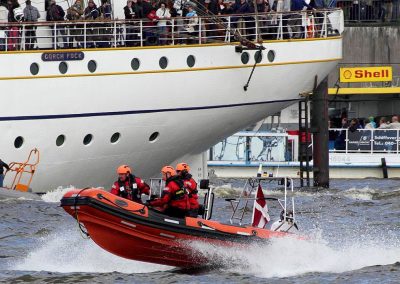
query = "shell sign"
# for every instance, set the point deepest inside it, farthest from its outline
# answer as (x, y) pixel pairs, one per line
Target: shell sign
(365, 74)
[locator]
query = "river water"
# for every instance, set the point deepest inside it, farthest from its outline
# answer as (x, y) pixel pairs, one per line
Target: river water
(353, 230)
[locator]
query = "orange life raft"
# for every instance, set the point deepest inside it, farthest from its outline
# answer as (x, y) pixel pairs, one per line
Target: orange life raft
(134, 231)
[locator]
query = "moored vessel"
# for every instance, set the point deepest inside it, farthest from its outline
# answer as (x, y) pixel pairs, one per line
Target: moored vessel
(90, 109)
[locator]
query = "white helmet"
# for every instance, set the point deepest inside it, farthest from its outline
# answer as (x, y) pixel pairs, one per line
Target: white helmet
(18, 14)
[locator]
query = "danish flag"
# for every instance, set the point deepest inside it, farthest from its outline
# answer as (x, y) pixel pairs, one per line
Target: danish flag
(260, 210)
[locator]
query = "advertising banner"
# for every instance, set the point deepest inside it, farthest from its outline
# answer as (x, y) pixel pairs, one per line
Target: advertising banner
(365, 74)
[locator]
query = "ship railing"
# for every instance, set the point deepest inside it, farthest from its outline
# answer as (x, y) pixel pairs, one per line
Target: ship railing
(371, 11)
(370, 141)
(251, 148)
(194, 30)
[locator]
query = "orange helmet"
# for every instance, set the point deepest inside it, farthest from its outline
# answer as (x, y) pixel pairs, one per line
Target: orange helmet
(168, 169)
(124, 169)
(182, 167)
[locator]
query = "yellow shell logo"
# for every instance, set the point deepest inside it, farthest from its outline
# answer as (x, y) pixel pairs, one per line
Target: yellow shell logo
(347, 74)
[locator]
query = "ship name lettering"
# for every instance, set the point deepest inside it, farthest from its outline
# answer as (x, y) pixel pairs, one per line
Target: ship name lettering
(63, 56)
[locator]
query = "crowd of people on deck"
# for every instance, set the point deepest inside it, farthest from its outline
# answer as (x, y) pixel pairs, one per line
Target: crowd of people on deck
(355, 124)
(179, 198)
(156, 16)
(369, 123)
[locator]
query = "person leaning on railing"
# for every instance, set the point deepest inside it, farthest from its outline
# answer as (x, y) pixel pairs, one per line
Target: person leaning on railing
(105, 30)
(395, 122)
(91, 13)
(240, 22)
(215, 7)
(354, 125)
(296, 21)
(150, 32)
(31, 14)
(132, 11)
(164, 16)
(340, 141)
(75, 13)
(383, 123)
(56, 14)
(370, 123)
(14, 16)
(191, 25)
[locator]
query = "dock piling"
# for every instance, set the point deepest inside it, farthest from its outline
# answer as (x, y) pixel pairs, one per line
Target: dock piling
(319, 124)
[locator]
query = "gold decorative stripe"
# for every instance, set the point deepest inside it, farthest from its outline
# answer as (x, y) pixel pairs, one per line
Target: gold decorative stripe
(162, 46)
(165, 71)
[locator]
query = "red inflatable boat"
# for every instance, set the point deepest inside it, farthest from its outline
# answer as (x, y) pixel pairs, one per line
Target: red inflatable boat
(134, 231)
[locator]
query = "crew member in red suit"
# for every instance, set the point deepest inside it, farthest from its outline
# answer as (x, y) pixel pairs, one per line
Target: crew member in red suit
(128, 186)
(174, 199)
(182, 170)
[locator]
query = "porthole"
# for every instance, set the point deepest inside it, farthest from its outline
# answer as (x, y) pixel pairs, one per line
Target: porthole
(153, 137)
(115, 137)
(63, 67)
(60, 140)
(245, 57)
(258, 56)
(92, 66)
(87, 139)
(18, 142)
(191, 61)
(163, 62)
(34, 68)
(271, 56)
(135, 64)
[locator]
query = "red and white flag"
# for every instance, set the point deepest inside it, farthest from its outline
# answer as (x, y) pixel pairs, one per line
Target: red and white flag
(260, 210)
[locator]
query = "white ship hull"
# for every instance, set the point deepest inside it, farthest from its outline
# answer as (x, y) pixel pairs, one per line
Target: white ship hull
(191, 108)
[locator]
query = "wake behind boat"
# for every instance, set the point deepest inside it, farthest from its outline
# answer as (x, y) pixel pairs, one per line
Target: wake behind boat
(135, 231)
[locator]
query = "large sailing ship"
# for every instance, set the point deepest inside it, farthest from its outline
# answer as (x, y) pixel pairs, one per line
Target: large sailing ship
(88, 109)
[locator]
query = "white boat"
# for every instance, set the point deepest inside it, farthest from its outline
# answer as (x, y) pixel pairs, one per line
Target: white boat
(364, 153)
(89, 110)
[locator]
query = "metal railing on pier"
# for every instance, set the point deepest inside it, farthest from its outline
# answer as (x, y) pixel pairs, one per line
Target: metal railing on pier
(370, 11)
(252, 147)
(193, 30)
(364, 141)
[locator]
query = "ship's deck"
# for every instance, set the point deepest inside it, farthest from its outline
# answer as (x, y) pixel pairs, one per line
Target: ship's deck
(247, 29)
